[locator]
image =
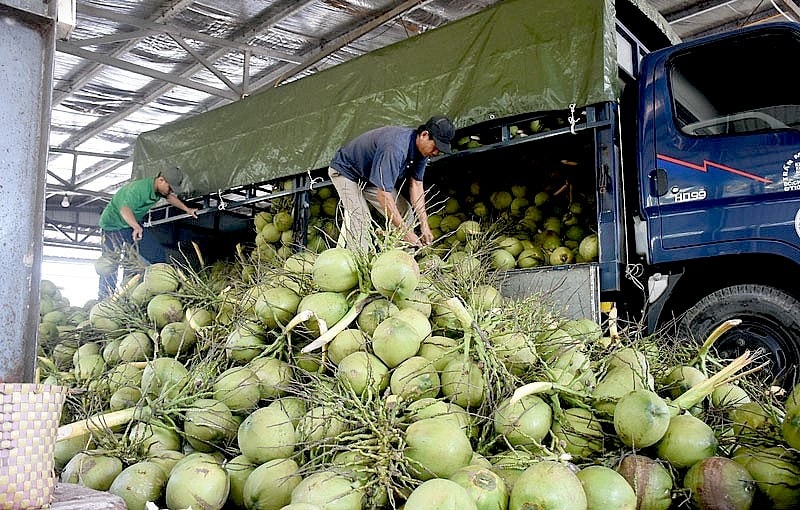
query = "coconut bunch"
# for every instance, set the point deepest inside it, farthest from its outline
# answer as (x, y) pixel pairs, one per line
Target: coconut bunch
(274, 232)
(57, 316)
(342, 379)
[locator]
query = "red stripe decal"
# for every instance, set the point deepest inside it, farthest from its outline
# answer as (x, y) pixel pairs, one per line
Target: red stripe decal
(706, 164)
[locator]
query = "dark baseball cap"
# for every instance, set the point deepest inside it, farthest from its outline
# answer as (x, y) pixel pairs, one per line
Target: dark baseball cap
(174, 177)
(442, 131)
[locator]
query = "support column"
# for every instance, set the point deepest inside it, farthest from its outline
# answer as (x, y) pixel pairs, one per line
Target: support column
(27, 42)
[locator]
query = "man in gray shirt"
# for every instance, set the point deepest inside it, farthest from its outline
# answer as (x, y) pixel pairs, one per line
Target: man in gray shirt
(371, 168)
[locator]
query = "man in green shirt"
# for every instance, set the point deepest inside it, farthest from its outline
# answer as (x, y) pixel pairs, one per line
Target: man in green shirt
(120, 221)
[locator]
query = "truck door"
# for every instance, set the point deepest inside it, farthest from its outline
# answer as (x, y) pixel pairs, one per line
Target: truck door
(725, 140)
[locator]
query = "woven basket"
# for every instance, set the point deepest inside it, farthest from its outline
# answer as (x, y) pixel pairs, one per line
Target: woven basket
(29, 417)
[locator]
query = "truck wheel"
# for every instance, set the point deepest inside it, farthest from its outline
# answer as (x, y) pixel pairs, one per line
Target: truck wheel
(770, 321)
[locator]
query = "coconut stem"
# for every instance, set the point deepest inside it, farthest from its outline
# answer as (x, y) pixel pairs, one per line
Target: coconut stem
(701, 390)
(340, 326)
(95, 423)
(464, 318)
(702, 353)
(542, 387)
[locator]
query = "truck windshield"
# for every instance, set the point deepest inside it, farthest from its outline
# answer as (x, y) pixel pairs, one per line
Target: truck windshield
(735, 86)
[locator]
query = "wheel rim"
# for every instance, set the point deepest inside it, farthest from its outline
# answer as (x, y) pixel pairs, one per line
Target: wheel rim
(758, 333)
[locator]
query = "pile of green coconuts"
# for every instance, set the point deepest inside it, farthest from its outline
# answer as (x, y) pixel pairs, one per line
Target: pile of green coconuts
(329, 379)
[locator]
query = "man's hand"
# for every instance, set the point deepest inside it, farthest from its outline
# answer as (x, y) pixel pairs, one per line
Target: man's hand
(192, 211)
(427, 235)
(137, 233)
(412, 238)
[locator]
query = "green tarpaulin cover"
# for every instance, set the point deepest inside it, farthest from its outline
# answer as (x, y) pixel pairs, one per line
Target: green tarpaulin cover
(516, 57)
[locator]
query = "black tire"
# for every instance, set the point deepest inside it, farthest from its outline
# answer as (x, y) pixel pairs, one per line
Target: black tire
(770, 321)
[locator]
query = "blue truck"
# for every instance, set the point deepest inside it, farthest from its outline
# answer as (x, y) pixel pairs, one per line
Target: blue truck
(690, 151)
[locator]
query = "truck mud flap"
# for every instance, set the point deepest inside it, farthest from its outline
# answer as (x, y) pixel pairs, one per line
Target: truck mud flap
(573, 290)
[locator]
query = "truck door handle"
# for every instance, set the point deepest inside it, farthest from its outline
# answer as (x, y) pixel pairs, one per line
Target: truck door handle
(658, 182)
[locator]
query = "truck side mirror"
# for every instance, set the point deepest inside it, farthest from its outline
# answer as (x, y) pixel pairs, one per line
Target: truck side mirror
(658, 182)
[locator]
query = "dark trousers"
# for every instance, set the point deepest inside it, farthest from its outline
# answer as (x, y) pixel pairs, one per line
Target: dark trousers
(150, 248)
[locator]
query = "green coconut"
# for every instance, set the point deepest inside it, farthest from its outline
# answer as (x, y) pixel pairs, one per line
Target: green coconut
(463, 384)
(274, 376)
(589, 248)
(328, 306)
(719, 482)
(198, 318)
(122, 375)
(238, 388)
(651, 482)
(605, 488)
(580, 432)
(153, 437)
(124, 397)
(328, 490)
(177, 337)
(525, 422)
(680, 378)
(484, 486)
(790, 428)
(374, 313)
(436, 448)
(294, 407)
(161, 278)
(510, 464)
(239, 470)
(729, 395)
(439, 350)
(618, 381)
(395, 340)
(502, 260)
(104, 317)
(166, 459)
(105, 265)
(270, 485)
(111, 351)
(777, 474)
(201, 483)
(345, 343)
(416, 319)
(394, 274)
(335, 270)
(429, 407)
(94, 469)
(208, 424)
(139, 483)
(440, 494)
(641, 418)
(361, 371)
(749, 417)
(415, 378)
(320, 423)
(65, 449)
(516, 350)
(266, 434)
(135, 346)
(163, 309)
(245, 342)
(417, 300)
(90, 367)
(687, 440)
(164, 376)
(548, 485)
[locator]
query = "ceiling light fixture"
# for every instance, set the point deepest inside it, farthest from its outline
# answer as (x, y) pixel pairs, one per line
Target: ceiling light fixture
(65, 201)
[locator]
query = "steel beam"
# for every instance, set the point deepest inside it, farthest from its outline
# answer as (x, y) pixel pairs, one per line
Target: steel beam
(27, 40)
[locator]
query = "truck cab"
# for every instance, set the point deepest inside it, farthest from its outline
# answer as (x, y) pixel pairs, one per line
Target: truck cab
(717, 224)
